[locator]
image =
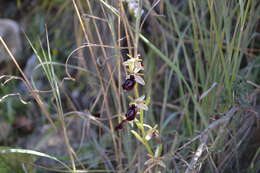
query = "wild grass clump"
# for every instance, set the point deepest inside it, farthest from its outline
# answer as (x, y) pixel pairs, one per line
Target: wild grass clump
(162, 86)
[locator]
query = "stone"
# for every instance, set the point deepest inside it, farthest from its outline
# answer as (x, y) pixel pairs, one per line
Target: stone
(10, 32)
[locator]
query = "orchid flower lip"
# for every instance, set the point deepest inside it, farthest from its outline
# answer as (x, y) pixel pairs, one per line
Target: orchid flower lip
(129, 83)
(131, 113)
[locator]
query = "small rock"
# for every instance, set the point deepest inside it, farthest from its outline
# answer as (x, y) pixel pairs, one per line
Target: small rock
(10, 32)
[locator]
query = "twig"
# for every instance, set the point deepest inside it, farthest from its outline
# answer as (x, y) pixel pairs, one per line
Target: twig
(204, 137)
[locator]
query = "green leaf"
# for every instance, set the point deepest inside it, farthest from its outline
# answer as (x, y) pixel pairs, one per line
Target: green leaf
(13, 159)
(15, 162)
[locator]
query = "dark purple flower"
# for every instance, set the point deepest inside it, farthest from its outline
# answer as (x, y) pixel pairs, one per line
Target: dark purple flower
(131, 113)
(129, 83)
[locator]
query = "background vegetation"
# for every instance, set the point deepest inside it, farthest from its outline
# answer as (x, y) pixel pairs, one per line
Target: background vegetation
(201, 61)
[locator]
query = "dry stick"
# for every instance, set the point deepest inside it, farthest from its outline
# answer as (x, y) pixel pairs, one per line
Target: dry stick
(197, 154)
(29, 86)
(98, 71)
(213, 125)
(128, 33)
(110, 71)
(119, 84)
(204, 137)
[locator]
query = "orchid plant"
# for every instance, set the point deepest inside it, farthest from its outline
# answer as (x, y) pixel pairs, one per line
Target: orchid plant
(137, 106)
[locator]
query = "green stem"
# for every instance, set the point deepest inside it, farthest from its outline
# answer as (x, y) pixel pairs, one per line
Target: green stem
(136, 91)
(142, 123)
